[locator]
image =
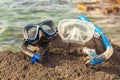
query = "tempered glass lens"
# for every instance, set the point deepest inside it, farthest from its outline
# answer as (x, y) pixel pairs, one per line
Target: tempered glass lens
(32, 31)
(47, 29)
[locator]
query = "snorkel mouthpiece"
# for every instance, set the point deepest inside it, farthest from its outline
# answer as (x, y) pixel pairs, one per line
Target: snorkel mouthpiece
(35, 57)
(97, 59)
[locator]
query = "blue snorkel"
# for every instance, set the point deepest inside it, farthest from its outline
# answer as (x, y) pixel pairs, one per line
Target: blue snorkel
(94, 58)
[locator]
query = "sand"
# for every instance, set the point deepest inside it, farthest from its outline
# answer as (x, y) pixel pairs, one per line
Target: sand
(60, 63)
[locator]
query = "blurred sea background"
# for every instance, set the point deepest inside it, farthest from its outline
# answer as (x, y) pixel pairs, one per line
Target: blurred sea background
(15, 14)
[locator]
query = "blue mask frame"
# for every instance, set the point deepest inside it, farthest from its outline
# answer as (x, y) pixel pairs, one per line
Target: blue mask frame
(49, 23)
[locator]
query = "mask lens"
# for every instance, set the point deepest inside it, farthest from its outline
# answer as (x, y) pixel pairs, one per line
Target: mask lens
(47, 29)
(32, 32)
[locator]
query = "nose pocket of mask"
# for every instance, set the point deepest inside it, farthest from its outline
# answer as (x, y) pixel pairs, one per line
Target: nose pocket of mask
(74, 35)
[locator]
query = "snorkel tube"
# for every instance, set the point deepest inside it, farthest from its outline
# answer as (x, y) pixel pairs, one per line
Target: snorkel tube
(93, 57)
(35, 57)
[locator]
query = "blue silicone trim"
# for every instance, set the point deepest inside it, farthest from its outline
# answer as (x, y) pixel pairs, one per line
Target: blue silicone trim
(45, 21)
(35, 57)
(105, 41)
(32, 39)
(98, 29)
(84, 18)
(103, 36)
(97, 60)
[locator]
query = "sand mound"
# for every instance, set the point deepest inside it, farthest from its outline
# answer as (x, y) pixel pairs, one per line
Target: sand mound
(65, 64)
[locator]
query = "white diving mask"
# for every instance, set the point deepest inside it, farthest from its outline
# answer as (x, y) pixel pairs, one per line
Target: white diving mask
(75, 31)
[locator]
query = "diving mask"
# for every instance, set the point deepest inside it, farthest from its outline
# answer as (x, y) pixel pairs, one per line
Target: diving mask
(75, 31)
(33, 32)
